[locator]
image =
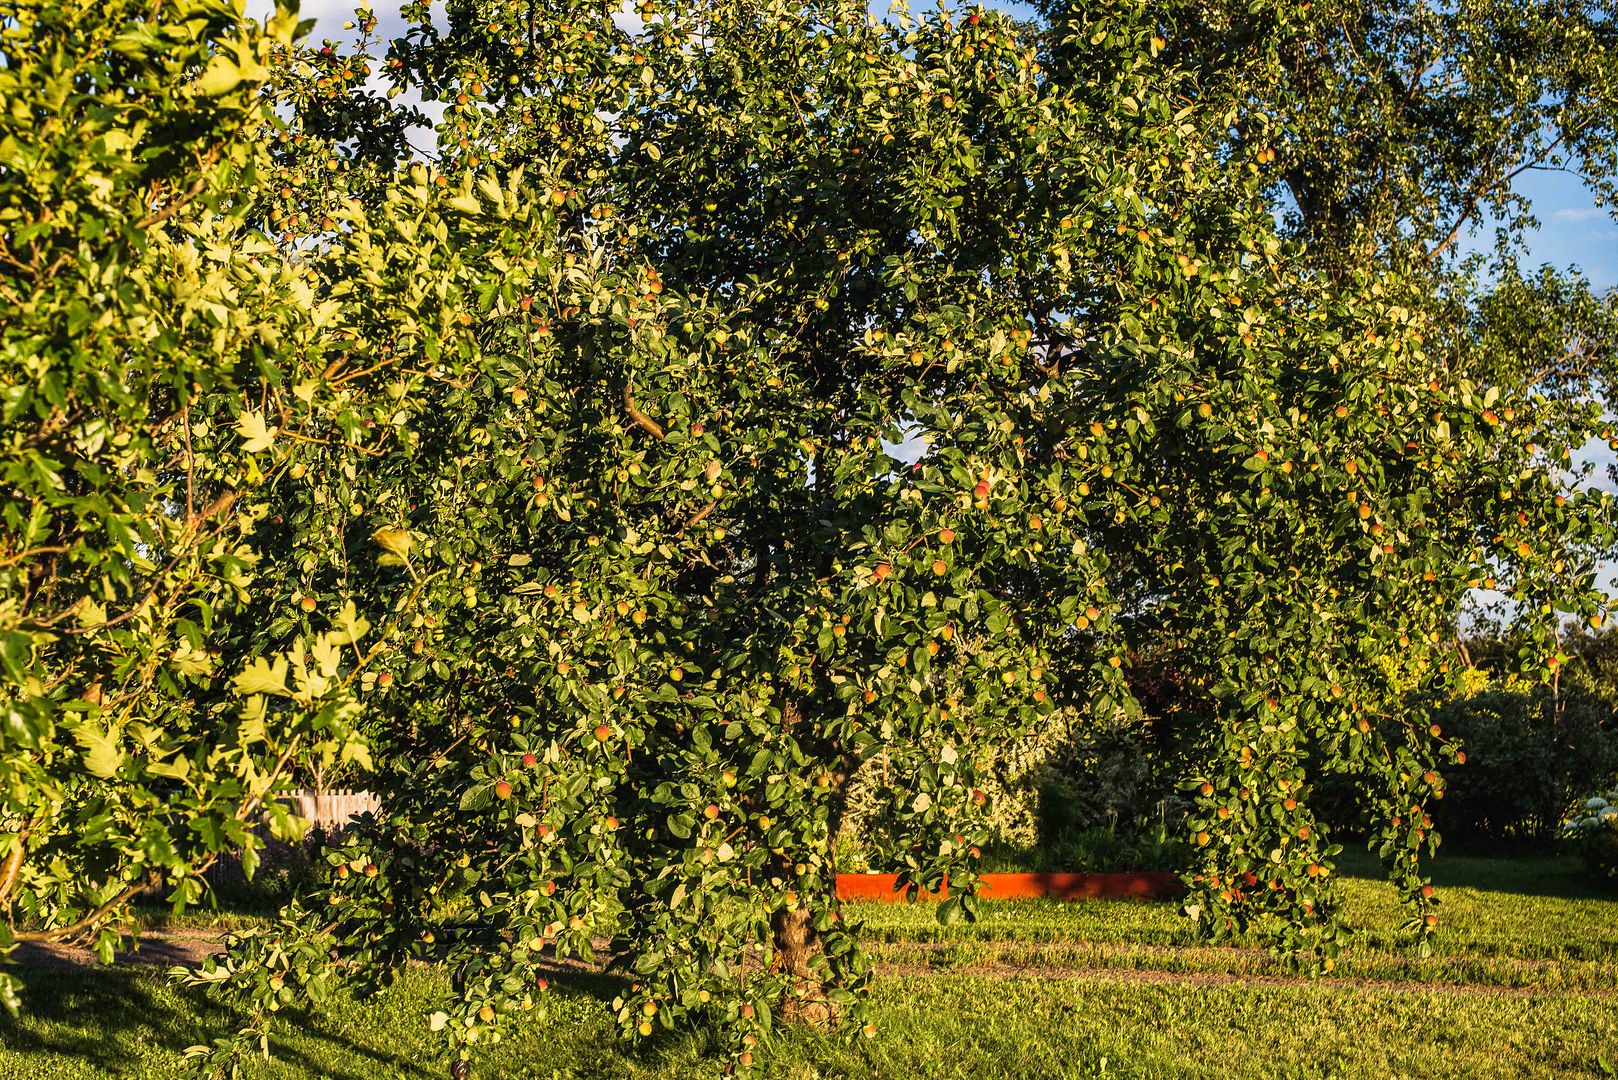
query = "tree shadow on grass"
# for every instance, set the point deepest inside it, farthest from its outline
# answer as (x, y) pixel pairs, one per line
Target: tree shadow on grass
(1523, 874)
(122, 1022)
(111, 1018)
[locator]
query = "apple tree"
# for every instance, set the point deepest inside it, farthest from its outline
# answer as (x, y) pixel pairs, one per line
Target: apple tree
(692, 279)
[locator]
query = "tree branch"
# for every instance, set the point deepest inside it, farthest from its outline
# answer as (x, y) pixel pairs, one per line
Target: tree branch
(639, 417)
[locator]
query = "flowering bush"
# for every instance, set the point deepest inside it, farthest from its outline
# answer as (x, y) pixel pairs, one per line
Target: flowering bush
(1594, 831)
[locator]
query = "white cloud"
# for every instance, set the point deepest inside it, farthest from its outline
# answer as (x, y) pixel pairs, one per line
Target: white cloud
(1578, 213)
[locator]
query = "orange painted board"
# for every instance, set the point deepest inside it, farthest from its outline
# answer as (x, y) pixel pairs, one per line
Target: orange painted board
(1055, 886)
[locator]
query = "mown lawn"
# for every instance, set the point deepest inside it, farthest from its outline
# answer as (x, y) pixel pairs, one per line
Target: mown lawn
(1525, 984)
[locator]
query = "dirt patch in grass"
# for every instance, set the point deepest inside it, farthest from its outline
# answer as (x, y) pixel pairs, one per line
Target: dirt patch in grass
(1139, 976)
(149, 950)
(190, 947)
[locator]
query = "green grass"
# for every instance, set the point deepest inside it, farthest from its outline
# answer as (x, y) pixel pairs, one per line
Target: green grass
(1530, 923)
(1156, 1004)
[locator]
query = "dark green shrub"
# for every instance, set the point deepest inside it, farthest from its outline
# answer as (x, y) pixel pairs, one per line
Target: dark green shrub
(1527, 763)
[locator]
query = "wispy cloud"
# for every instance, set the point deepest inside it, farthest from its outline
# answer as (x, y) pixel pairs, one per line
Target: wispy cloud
(1579, 213)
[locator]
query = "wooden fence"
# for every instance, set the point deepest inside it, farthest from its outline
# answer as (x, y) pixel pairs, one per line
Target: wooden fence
(330, 810)
(326, 811)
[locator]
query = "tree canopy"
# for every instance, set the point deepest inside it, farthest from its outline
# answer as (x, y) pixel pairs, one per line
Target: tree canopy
(585, 427)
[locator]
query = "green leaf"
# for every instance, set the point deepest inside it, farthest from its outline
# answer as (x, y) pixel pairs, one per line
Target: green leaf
(256, 437)
(264, 677)
(103, 754)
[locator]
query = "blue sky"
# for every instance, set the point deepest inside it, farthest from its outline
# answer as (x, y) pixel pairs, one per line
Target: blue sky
(1573, 231)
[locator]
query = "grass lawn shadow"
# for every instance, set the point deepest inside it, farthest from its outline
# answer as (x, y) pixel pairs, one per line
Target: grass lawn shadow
(1529, 875)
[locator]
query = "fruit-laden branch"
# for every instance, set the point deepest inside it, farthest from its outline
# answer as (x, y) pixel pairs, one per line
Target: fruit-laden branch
(639, 417)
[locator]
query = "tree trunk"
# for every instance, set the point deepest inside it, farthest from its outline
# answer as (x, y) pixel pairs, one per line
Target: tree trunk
(796, 946)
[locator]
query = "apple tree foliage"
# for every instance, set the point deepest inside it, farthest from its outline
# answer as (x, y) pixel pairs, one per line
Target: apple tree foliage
(551, 479)
(697, 274)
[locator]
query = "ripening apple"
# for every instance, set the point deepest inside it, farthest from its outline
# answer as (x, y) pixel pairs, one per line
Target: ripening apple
(385, 679)
(529, 761)
(939, 567)
(611, 823)
(946, 536)
(728, 778)
(486, 1014)
(710, 811)
(307, 603)
(882, 570)
(603, 733)
(502, 790)
(747, 1011)
(982, 489)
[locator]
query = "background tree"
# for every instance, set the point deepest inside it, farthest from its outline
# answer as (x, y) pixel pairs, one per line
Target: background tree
(162, 368)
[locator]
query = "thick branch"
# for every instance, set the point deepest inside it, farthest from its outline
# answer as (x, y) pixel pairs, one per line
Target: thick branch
(63, 933)
(12, 866)
(639, 417)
